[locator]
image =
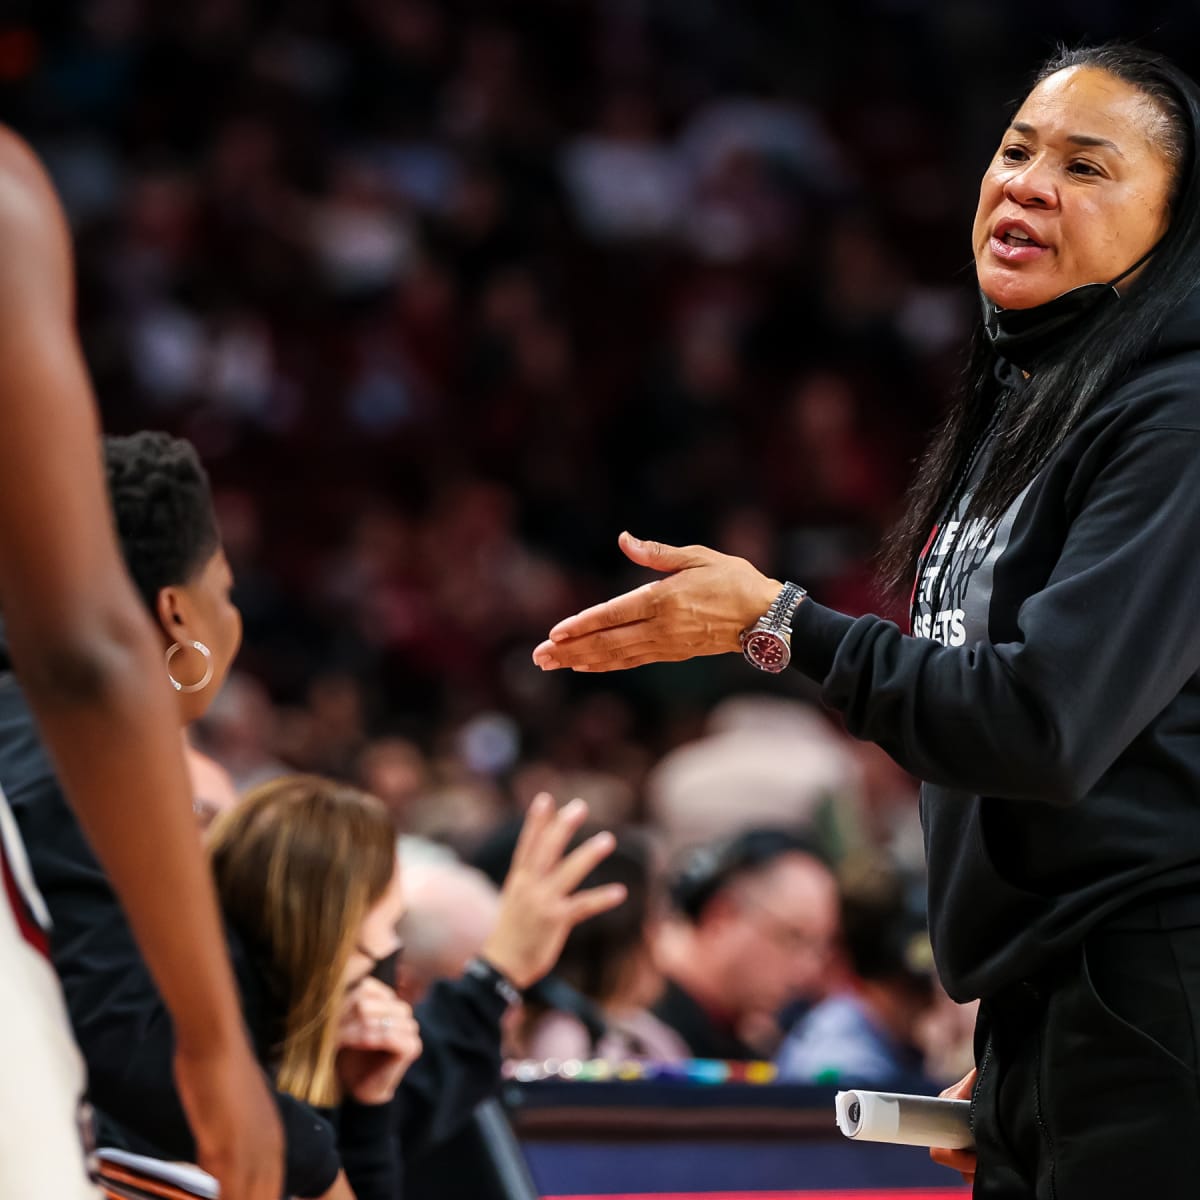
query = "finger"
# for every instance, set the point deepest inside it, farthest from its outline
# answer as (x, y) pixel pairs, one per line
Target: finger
(659, 556)
(579, 864)
(625, 641)
(957, 1160)
(662, 655)
(638, 605)
(546, 853)
(538, 815)
(402, 1040)
(595, 901)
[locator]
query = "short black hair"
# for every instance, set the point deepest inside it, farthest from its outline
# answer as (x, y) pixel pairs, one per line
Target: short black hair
(708, 870)
(163, 510)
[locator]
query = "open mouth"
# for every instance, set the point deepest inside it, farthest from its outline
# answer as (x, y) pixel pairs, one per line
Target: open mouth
(1014, 235)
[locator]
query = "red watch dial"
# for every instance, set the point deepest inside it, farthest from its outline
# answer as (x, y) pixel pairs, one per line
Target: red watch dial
(767, 651)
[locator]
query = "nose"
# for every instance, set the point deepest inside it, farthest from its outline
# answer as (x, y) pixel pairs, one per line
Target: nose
(1032, 187)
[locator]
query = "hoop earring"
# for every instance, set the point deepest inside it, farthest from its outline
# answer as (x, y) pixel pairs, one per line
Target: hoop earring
(174, 649)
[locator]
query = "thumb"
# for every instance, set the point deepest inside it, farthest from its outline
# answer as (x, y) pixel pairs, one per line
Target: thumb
(658, 556)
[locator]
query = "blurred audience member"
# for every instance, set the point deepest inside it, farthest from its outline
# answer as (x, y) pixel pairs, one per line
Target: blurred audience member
(758, 919)
(461, 1017)
(395, 770)
(213, 790)
(869, 1033)
(763, 762)
(307, 874)
(168, 535)
(238, 731)
(452, 909)
(609, 962)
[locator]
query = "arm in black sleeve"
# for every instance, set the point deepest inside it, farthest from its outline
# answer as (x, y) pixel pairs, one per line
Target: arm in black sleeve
(137, 1090)
(1106, 644)
(128, 1044)
(367, 1140)
(459, 1065)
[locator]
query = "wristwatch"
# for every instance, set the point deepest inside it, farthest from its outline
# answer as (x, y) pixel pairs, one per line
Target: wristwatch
(767, 644)
(485, 972)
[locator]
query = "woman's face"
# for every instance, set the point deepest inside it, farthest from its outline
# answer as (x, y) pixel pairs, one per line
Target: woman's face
(1076, 193)
(379, 934)
(202, 610)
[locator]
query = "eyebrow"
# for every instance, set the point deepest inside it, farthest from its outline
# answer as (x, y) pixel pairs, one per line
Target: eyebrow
(1077, 139)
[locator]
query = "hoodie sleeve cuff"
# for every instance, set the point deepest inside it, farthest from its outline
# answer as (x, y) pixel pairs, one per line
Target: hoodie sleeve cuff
(817, 632)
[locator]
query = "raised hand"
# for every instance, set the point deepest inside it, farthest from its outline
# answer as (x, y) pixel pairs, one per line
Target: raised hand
(539, 905)
(700, 607)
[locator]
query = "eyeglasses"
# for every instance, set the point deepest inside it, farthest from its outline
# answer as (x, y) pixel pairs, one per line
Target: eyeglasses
(789, 937)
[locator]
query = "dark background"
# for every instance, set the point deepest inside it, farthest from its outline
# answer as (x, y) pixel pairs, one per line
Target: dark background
(449, 293)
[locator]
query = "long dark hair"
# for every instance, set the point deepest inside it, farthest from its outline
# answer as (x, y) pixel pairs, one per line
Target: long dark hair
(1054, 399)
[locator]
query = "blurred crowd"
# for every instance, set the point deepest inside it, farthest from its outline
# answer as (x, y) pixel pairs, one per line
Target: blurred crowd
(446, 293)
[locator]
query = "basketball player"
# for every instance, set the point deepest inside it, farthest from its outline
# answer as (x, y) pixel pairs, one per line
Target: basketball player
(84, 651)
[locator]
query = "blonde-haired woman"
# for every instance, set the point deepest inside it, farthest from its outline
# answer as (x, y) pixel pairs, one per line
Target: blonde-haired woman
(307, 875)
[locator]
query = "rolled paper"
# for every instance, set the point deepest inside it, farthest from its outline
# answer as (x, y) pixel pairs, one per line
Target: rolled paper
(905, 1120)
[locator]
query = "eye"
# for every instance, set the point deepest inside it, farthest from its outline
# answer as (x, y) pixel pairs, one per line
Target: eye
(1082, 168)
(1014, 154)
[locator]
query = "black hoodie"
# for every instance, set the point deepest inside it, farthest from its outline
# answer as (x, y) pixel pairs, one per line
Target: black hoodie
(1052, 701)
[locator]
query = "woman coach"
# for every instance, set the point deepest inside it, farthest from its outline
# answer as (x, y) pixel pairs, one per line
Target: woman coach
(1049, 695)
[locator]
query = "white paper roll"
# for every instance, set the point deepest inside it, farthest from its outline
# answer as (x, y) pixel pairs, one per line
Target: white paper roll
(905, 1120)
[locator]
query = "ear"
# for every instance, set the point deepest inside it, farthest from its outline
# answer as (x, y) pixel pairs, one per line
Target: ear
(172, 611)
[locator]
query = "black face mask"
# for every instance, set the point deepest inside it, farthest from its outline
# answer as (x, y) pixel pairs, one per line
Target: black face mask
(1029, 336)
(385, 968)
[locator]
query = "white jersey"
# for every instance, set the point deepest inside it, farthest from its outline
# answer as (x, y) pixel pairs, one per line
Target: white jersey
(42, 1080)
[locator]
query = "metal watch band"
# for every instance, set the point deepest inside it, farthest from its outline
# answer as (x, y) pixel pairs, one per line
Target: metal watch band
(782, 609)
(500, 983)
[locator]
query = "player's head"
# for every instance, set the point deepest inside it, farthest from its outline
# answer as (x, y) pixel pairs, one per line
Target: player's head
(168, 533)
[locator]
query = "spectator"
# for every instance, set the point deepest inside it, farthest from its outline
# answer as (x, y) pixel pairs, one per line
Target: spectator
(307, 874)
(461, 1018)
(756, 931)
(783, 763)
(869, 1032)
(169, 539)
(213, 791)
(452, 908)
(609, 962)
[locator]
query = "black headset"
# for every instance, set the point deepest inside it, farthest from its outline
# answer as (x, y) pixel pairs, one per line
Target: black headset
(708, 869)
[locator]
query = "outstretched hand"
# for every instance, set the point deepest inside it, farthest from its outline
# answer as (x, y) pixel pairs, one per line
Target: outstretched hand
(539, 905)
(701, 607)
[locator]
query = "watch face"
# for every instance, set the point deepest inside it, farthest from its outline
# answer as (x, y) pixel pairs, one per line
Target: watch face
(767, 651)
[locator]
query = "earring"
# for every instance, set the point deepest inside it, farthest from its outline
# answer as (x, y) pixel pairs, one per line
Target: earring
(174, 649)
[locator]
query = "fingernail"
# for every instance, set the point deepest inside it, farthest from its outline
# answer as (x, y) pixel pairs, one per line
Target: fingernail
(632, 540)
(576, 807)
(605, 839)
